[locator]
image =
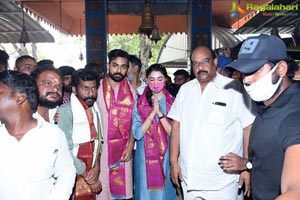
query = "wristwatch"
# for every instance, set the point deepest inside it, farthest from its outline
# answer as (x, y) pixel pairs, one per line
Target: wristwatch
(248, 165)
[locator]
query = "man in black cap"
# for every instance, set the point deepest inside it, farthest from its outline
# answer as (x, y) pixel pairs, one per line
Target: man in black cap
(66, 72)
(274, 146)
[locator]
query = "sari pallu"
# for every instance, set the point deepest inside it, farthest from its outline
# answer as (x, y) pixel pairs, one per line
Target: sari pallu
(155, 142)
(119, 127)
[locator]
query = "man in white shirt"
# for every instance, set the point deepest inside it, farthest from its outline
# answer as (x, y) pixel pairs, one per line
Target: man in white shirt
(49, 83)
(36, 163)
(211, 117)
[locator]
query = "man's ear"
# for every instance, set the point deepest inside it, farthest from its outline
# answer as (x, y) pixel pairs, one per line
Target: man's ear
(21, 97)
(107, 67)
(136, 69)
(74, 90)
(282, 69)
(216, 61)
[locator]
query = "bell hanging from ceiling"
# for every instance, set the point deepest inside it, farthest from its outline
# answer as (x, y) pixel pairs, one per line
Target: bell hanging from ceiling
(24, 38)
(147, 20)
(155, 36)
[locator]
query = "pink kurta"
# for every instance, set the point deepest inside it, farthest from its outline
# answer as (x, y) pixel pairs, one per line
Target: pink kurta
(104, 170)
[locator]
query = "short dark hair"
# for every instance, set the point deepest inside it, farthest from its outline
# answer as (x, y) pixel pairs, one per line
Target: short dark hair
(66, 70)
(134, 60)
(182, 72)
(4, 59)
(292, 67)
(23, 83)
(21, 58)
(96, 67)
(92, 66)
(84, 75)
(45, 62)
(36, 73)
(113, 54)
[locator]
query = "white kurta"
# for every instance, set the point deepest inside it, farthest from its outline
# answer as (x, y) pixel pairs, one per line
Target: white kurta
(211, 125)
(39, 166)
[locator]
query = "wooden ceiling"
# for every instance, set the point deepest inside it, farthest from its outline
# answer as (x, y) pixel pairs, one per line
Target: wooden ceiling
(124, 16)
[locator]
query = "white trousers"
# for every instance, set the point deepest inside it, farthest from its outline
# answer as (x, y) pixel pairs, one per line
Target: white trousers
(228, 193)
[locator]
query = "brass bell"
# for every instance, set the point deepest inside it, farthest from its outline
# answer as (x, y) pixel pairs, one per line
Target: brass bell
(24, 38)
(155, 36)
(147, 21)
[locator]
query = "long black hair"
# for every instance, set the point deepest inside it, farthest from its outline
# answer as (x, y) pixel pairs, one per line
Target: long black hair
(154, 67)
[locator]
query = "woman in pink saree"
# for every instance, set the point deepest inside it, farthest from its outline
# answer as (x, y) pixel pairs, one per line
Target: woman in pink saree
(151, 129)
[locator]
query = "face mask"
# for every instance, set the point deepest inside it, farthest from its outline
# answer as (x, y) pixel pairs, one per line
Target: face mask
(263, 89)
(130, 76)
(156, 87)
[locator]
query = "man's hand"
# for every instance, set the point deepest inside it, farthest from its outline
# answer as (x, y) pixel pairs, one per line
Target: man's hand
(245, 180)
(96, 187)
(92, 175)
(232, 162)
(127, 154)
(175, 172)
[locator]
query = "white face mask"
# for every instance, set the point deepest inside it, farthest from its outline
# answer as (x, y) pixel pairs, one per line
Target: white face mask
(263, 89)
(130, 76)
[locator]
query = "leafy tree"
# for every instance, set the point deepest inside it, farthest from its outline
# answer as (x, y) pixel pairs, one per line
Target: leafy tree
(131, 44)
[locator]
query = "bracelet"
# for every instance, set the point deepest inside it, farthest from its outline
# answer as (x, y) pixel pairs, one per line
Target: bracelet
(163, 116)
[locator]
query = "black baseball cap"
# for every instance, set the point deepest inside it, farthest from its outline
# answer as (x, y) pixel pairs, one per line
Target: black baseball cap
(257, 51)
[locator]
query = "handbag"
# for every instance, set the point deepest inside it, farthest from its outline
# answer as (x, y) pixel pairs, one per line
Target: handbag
(82, 188)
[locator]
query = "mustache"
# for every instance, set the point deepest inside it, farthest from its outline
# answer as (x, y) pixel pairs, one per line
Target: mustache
(50, 93)
(202, 71)
(118, 74)
(89, 98)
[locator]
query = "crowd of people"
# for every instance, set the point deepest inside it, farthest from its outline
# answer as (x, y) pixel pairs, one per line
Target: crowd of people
(85, 134)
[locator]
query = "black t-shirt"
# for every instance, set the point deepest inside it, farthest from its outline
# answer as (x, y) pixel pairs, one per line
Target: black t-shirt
(275, 128)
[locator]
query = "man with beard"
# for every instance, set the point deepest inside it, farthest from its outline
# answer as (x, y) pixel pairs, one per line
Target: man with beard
(66, 72)
(80, 120)
(211, 117)
(49, 83)
(36, 163)
(115, 100)
(274, 146)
